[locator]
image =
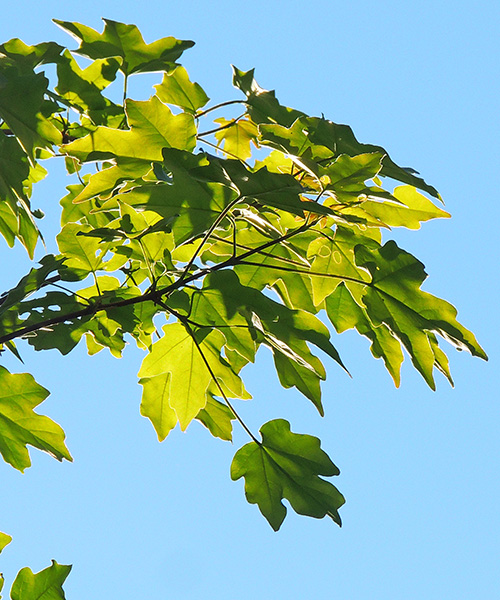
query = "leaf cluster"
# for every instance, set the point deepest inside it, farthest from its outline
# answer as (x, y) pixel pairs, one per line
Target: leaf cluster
(173, 219)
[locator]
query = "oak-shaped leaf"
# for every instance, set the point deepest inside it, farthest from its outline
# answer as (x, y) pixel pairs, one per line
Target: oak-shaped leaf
(178, 372)
(20, 425)
(149, 120)
(45, 585)
(286, 465)
(120, 39)
(394, 298)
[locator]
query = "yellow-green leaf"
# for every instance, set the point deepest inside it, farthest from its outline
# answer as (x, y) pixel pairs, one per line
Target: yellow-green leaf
(20, 425)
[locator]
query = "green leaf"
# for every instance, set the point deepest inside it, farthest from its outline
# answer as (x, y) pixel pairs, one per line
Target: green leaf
(5, 540)
(217, 419)
(263, 105)
(83, 87)
(155, 404)
(14, 169)
(149, 120)
(278, 190)
(190, 360)
(33, 281)
(119, 39)
(26, 58)
(20, 425)
(345, 313)
(22, 108)
(236, 139)
(45, 585)
(287, 465)
(334, 259)
(285, 331)
(414, 209)
(341, 140)
(195, 204)
(176, 88)
(395, 299)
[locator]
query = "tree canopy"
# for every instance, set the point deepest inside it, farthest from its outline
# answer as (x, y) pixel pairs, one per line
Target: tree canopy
(202, 239)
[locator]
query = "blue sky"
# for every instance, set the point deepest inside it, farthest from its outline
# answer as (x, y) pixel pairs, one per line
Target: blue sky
(419, 469)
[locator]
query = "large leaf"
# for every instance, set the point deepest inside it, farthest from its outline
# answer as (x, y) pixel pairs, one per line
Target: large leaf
(287, 465)
(191, 362)
(395, 299)
(153, 127)
(20, 425)
(45, 585)
(119, 39)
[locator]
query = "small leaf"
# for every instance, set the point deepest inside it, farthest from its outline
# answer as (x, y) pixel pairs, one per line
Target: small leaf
(287, 465)
(5, 540)
(155, 406)
(236, 138)
(217, 419)
(20, 425)
(45, 585)
(176, 88)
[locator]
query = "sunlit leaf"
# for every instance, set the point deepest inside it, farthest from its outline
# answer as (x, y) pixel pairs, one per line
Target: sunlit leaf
(236, 138)
(217, 418)
(45, 585)
(287, 465)
(5, 540)
(119, 39)
(21, 426)
(149, 120)
(176, 88)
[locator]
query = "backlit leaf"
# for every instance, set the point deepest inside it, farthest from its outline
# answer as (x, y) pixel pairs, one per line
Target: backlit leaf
(45, 585)
(287, 465)
(20, 425)
(119, 39)
(176, 88)
(153, 127)
(5, 540)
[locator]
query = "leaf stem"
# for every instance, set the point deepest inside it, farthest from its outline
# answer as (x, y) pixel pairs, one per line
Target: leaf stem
(217, 106)
(217, 383)
(221, 128)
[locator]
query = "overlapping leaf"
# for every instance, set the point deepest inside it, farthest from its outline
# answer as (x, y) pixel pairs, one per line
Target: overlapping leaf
(153, 127)
(287, 465)
(186, 364)
(395, 299)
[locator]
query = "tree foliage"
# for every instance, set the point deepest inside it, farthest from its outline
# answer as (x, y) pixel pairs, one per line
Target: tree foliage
(201, 238)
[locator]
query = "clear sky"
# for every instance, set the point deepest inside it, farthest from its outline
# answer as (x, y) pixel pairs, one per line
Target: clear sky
(419, 469)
